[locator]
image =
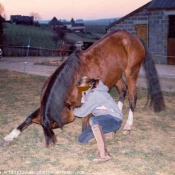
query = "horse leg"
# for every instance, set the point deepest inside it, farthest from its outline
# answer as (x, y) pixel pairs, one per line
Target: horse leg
(131, 78)
(32, 118)
(122, 89)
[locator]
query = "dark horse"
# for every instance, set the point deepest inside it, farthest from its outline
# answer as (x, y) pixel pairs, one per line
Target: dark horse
(116, 54)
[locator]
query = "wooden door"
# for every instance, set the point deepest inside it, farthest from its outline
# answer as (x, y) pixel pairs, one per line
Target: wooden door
(142, 32)
(171, 41)
(171, 51)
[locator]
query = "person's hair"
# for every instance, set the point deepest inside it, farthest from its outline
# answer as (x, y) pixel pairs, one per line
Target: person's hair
(86, 81)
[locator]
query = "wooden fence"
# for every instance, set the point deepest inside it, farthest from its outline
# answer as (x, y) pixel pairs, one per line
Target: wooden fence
(21, 51)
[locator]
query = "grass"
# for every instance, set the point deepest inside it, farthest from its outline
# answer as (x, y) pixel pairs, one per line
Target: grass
(18, 35)
(96, 28)
(148, 150)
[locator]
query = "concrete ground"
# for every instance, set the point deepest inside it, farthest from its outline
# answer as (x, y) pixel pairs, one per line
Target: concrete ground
(26, 64)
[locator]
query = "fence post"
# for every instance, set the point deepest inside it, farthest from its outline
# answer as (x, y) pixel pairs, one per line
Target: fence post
(27, 54)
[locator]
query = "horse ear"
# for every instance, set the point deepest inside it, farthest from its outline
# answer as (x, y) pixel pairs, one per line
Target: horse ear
(68, 104)
(95, 82)
(98, 79)
(78, 82)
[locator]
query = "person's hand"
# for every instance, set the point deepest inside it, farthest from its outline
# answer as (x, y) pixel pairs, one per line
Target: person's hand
(83, 99)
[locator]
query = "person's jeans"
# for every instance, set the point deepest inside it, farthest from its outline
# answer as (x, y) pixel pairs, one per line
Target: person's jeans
(107, 122)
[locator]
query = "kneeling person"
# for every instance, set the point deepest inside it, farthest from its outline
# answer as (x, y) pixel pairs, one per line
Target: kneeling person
(106, 114)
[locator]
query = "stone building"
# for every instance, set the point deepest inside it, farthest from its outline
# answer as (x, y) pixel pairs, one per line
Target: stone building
(75, 26)
(155, 24)
(24, 20)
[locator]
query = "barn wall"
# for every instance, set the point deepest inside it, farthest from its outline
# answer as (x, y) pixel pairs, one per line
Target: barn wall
(158, 23)
(158, 34)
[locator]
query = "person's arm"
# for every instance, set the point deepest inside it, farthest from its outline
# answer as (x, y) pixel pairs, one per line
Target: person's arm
(88, 107)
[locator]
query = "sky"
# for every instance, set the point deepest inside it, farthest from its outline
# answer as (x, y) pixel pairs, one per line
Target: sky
(66, 9)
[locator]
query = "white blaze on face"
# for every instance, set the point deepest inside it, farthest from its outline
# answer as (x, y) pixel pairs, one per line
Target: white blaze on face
(120, 105)
(14, 134)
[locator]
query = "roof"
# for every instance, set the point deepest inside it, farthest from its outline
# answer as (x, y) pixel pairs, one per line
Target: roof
(130, 14)
(152, 5)
(162, 4)
(54, 21)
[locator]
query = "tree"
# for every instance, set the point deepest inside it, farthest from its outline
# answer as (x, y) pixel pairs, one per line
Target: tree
(36, 16)
(1, 9)
(1, 24)
(72, 21)
(61, 33)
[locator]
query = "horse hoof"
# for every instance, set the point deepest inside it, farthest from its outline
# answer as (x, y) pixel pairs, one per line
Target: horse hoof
(5, 143)
(126, 131)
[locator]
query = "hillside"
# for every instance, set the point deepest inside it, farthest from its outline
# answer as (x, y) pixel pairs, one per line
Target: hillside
(18, 35)
(42, 40)
(104, 22)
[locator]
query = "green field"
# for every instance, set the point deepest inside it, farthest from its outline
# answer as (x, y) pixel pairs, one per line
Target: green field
(18, 35)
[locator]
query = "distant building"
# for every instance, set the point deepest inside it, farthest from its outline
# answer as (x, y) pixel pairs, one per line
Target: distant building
(54, 23)
(78, 27)
(71, 25)
(19, 19)
(67, 25)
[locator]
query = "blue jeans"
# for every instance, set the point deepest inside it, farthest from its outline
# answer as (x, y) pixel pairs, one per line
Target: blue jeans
(107, 122)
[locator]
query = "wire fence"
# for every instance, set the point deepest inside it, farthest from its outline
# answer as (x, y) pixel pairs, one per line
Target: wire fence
(21, 51)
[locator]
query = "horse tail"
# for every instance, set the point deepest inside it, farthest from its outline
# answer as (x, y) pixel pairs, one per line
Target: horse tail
(154, 88)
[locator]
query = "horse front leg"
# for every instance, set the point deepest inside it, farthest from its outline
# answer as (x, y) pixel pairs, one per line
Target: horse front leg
(122, 89)
(32, 118)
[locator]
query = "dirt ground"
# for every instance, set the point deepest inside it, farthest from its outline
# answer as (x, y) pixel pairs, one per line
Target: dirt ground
(45, 66)
(148, 150)
(167, 83)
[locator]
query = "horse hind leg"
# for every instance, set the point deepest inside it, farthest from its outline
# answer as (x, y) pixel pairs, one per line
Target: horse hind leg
(32, 118)
(122, 89)
(131, 78)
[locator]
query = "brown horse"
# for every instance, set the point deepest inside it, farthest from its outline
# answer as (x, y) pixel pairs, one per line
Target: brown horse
(117, 53)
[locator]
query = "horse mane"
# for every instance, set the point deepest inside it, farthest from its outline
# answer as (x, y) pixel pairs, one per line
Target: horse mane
(53, 100)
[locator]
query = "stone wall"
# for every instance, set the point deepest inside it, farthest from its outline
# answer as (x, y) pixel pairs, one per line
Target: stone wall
(158, 35)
